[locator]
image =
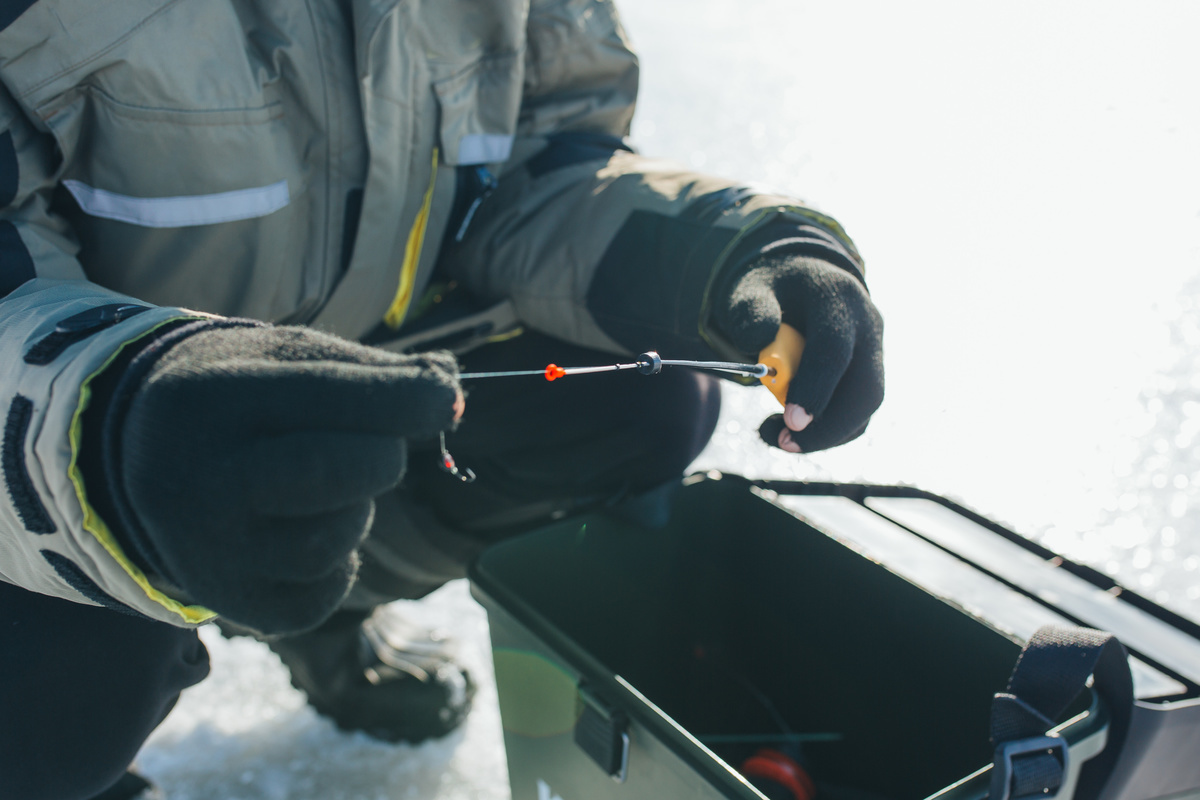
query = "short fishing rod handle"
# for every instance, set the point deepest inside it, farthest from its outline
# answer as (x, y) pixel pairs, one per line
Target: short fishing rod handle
(783, 355)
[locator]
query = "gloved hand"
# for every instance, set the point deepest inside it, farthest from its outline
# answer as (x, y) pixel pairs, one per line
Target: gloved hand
(839, 382)
(242, 461)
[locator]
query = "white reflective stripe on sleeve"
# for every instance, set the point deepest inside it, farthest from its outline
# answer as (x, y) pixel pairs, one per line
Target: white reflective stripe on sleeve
(180, 212)
(484, 148)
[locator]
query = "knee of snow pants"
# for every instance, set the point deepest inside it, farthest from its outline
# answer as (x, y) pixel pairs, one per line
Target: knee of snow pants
(81, 687)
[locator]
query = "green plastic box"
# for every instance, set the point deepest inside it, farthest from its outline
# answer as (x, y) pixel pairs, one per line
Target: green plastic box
(871, 625)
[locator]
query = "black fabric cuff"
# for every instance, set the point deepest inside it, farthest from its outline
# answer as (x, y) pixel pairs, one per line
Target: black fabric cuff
(781, 238)
(112, 392)
(777, 238)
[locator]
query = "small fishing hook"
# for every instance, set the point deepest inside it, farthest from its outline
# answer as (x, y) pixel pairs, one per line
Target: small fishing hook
(447, 463)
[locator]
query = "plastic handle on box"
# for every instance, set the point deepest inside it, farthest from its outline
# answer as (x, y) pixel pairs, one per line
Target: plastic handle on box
(783, 355)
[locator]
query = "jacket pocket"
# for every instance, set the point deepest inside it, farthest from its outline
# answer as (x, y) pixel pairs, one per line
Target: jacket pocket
(141, 152)
(196, 208)
(478, 109)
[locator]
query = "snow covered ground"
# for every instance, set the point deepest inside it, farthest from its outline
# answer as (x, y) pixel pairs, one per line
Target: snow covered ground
(1024, 182)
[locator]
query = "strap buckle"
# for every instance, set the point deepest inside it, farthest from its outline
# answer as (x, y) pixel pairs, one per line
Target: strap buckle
(1042, 782)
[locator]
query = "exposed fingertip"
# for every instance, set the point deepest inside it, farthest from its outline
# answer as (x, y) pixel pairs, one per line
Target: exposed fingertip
(460, 405)
(785, 441)
(796, 418)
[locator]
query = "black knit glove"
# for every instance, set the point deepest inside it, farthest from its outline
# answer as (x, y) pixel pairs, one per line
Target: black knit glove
(839, 382)
(241, 461)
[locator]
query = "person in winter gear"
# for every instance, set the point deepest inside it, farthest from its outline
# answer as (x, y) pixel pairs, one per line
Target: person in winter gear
(239, 241)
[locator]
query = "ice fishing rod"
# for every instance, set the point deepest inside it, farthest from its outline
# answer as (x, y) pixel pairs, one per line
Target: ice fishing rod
(777, 363)
(648, 363)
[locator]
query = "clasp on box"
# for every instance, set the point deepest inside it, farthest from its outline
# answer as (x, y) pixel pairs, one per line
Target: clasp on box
(601, 733)
(1032, 767)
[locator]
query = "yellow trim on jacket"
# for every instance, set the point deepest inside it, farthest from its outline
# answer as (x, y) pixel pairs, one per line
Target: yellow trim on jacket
(92, 522)
(412, 256)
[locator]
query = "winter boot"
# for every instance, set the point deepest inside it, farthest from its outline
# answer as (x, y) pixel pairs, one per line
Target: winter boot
(131, 787)
(373, 673)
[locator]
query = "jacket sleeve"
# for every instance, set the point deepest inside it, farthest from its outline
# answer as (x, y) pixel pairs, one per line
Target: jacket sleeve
(596, 244)
(57, 332)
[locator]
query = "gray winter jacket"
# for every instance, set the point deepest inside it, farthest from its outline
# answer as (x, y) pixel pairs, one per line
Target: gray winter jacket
(296, 161)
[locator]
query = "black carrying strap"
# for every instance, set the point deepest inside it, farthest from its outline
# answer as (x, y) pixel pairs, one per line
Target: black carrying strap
(1049, 674)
